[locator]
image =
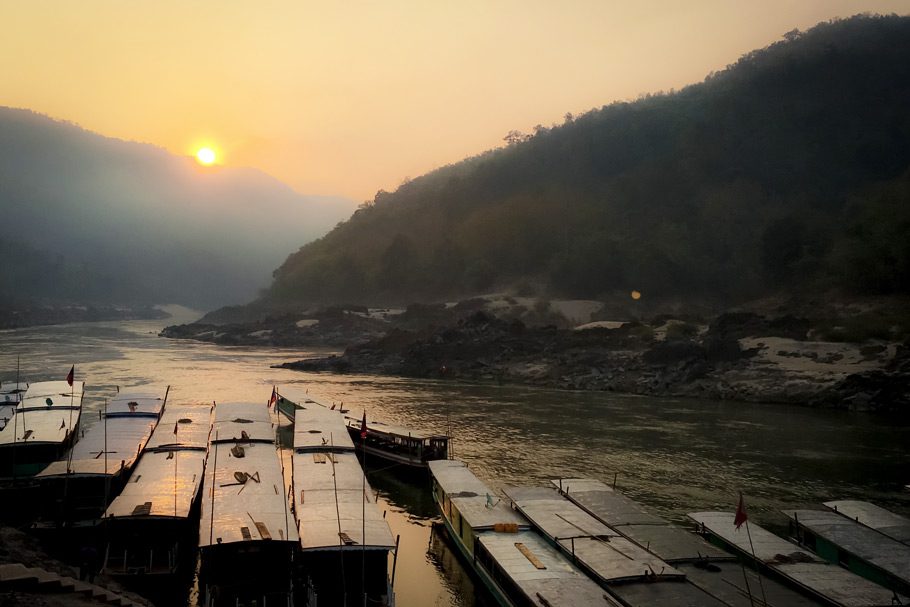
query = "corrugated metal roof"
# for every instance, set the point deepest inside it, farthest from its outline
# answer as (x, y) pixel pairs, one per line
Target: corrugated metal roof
(654, 533)
(804, 569)
(168, 481)
(471, 496)
(318, 428)
(232, 420)
(193, 423)
(256, 508)
(550, 576)
(868, 544)
(884, 521)
(334, 508)
(609, 555)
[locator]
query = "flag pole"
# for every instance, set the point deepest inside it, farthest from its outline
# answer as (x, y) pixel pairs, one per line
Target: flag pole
(363, 514)
(107, 482)
(757, 568)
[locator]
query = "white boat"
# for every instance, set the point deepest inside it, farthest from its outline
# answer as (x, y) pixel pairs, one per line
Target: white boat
(153, 523)
(514, 562)
(81, 483)
(247, 536)
(345, 540)
(10, 395)
(43, 426)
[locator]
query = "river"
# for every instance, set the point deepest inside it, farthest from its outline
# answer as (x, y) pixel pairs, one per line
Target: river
(674, 455)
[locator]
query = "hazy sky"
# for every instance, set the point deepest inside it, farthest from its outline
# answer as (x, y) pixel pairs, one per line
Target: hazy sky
(350, 97)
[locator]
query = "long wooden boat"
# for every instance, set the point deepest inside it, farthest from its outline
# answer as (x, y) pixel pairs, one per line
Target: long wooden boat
(44, 425)
(513, 561)
(397, 444)
(860, 549)
(345, 541)
(247, 536)
(153, 524)
(10, 394)
(884, 521)
(715, 571)
(829, 583)
(81, 483)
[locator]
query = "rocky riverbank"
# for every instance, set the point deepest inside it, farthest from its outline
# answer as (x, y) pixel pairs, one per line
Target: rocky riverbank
(781, 358)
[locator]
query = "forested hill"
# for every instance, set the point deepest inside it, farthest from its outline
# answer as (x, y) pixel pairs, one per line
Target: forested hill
(789, 168)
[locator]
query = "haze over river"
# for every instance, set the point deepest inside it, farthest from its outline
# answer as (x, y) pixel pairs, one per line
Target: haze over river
(675, 456)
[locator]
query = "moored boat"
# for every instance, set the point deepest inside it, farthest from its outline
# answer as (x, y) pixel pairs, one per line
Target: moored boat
(247, 536)
(153, 524)
(396, 444)
(44, 424)
(345, 541)
(512, 560)
(81, 483)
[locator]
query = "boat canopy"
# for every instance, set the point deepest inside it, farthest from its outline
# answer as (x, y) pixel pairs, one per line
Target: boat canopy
(336, 508)
(392, 431)
(317, 429)
(246, 499)
(868, 514)
(243, 422)
(476, 503)
(48, 418)
(169, 474)
(113, 444)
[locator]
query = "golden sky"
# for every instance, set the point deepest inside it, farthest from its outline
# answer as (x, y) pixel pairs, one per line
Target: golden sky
(349, 97)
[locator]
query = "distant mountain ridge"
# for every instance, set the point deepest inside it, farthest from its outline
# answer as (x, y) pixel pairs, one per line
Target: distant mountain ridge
(788, 170)
(90, 218)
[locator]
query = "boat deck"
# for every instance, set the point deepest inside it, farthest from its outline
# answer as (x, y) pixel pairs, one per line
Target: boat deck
(884, 521)
(834, 585)
(317, 428)
(47, 413)
(844, 535)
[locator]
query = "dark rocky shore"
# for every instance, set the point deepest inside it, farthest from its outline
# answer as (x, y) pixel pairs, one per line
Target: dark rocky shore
(742, 356)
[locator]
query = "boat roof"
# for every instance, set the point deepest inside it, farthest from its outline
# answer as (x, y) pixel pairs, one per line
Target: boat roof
(335, 509)
(384, 428)
(629, 518)
(471, 496)
(604, 551)
(153, 483)
(193, 423)
(866, 543)
(47, 398)
(135, 402)
(732, 584)
(6, 413)
(232, 420)
(320, 429)
(40, 389)
(250, 510)
(806, 570)
(45, 424)
(884, 521)
(543, 574)
(121, 439)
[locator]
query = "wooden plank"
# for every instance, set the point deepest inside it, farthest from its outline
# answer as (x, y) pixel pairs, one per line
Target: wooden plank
(263, 531)
(529, 555)
(245, 532)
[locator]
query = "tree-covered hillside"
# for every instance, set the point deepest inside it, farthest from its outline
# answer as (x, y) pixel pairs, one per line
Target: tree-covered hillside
(789, 169)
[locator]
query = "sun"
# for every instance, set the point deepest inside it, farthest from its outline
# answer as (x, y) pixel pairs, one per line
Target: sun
(206, 156)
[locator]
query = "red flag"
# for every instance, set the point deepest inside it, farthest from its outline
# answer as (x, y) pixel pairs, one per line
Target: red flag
(363, 427)
(741, 516)
(274, 398)
(69, 376)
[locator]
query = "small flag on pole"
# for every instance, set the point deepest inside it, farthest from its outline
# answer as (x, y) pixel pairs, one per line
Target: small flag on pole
(70, 375)
(274, 398)
(363, 427)
(741, 516)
